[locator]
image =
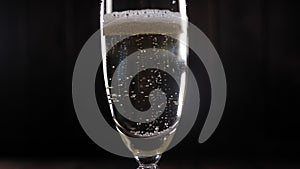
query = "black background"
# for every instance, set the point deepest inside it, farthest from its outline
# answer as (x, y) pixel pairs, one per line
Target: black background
(257, 41)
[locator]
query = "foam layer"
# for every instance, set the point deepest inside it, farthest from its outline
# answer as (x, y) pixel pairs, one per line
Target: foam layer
(142, 21)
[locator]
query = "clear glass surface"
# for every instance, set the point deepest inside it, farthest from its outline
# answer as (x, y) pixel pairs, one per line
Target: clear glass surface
(144, 65)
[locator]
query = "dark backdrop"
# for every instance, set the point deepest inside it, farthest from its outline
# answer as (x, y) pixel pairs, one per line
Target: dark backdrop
(257, 41)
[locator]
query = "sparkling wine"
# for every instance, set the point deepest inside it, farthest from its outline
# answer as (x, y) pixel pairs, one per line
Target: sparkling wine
(144, 69)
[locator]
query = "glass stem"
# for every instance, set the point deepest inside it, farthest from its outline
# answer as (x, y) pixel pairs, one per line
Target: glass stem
(148, 162)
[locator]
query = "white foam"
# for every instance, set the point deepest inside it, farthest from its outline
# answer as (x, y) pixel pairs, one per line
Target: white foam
(142, 21)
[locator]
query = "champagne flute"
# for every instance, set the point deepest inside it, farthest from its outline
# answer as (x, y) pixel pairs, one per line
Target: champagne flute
(144, 66)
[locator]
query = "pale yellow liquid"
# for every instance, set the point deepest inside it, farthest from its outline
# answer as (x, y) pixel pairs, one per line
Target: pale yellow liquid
(145, 22)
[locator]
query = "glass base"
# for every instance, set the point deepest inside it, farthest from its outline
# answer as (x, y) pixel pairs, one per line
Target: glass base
(148, 167)
(148, 162)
